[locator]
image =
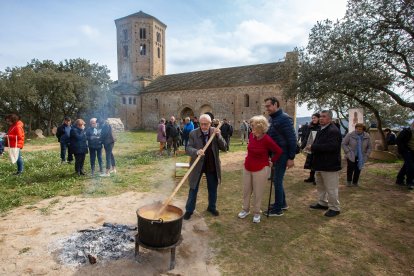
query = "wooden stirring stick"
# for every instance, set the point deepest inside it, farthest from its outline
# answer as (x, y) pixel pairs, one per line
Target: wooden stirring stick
(168, 200)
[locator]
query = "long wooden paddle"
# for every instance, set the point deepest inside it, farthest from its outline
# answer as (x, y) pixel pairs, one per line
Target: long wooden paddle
(168, 200)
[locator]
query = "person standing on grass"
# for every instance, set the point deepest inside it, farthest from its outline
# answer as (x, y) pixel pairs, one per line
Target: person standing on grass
(256, 165)
(313, 126)
(357, 148)
(326, 161)
(78, 144)
(405, 143)
(226, 132)
(15, 136)
(196, 123)
(63, 136)
(282, 132)
(108, 141)
(244, 131)
(188, 127)
(173, 134)
(161, 135)
(209, 164)
(93, 134)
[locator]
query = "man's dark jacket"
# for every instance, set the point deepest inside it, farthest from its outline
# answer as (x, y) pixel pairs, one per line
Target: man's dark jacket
(403, 139)
(282, 132)
(326, 150)
(61, 134)
(226, 130)
(172, 130)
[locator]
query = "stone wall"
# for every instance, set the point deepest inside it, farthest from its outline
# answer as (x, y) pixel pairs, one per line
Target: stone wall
(234, 103)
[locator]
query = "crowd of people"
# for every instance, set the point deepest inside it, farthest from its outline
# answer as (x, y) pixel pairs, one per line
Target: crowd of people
(77, 140)
(271, 147)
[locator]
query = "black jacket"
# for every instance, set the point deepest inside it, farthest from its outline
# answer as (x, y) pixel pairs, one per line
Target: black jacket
(226, 130)
(326, 150)
(402, 140)
(94, 140)
(78, 143)
(172, 130)
(61, 134)
(107, 135)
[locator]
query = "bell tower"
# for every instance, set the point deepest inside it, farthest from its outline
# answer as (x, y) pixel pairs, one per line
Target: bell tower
(140, 48)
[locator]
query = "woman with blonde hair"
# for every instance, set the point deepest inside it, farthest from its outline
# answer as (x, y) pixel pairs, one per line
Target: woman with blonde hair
(256, 165)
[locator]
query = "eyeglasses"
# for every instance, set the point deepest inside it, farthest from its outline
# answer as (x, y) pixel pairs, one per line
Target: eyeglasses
(268, 105)
(204, 124)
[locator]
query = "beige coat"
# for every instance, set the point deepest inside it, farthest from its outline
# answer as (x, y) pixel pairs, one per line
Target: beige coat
(195, 143)
(350, 143)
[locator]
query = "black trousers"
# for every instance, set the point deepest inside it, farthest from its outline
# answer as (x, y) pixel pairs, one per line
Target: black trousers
(79, 161)
(352, 171)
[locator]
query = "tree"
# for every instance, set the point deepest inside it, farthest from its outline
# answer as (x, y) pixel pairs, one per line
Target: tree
(42, 93)
(366, 57)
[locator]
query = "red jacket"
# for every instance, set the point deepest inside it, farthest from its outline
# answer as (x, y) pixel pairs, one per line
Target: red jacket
(258, 152)
(16, 130)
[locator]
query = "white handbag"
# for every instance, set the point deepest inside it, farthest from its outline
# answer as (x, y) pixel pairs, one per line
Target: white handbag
(13, 152)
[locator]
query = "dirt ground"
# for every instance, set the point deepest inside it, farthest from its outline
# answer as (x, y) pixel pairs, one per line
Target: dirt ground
(30, 235)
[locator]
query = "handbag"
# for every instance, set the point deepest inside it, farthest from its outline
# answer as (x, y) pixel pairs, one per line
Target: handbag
(13, 152)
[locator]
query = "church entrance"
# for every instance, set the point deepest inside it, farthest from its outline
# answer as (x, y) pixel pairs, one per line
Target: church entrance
(187, 112)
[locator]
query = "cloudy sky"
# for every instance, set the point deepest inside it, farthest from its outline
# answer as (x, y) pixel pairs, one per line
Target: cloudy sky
(201, 34)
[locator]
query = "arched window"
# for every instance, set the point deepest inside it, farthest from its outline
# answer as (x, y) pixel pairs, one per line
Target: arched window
(125, 32)
(123, 100)
(159, 52)
(129, 100)
(142, 33)
(142, 49)
(246, 100)
(156, 103)
(158, 37)
(135, 101)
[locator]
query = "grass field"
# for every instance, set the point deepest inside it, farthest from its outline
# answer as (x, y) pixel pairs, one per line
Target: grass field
(373, 235)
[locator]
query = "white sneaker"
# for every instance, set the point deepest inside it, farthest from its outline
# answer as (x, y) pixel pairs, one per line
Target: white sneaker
(113, 171)
(256, 218)
(243, 214)
(104, 174)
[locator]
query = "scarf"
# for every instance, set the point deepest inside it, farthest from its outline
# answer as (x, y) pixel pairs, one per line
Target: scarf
(359, 151)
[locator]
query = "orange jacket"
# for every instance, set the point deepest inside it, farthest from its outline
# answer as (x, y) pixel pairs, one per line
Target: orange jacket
(16, 130)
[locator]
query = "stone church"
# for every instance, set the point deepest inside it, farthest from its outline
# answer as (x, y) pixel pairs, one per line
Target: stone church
(147, 94)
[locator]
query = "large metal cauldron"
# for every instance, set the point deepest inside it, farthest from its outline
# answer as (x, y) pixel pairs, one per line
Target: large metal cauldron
(159, 232)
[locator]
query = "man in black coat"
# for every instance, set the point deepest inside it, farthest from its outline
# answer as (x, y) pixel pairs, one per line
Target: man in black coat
(405, 143)
(63, 135)
(326, 161)
(173, 133)
(226, 132)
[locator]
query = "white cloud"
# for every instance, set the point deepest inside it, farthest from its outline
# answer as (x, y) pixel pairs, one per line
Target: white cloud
(89, 31)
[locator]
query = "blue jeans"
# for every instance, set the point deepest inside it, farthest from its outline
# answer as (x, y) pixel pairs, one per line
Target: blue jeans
(19, 162)
(212, 183)
(280, 169)
(95, 153)
(63, 147)
(1, 147)
(110, 159)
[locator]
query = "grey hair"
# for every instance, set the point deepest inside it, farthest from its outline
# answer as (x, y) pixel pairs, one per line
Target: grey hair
(205, 116)
(93, 120)
(329, 112)
(260, 122)
(187, 119)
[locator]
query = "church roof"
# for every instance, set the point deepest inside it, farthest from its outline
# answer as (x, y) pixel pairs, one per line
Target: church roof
(141, 14)
(258, 74)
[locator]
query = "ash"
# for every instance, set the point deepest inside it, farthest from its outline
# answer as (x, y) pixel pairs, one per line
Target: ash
(111, 242)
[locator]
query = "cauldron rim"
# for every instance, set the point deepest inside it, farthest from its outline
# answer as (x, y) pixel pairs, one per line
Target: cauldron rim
(170, 207)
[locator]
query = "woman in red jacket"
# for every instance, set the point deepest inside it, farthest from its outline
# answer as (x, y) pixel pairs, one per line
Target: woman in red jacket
(256, 165)
(15, 133)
